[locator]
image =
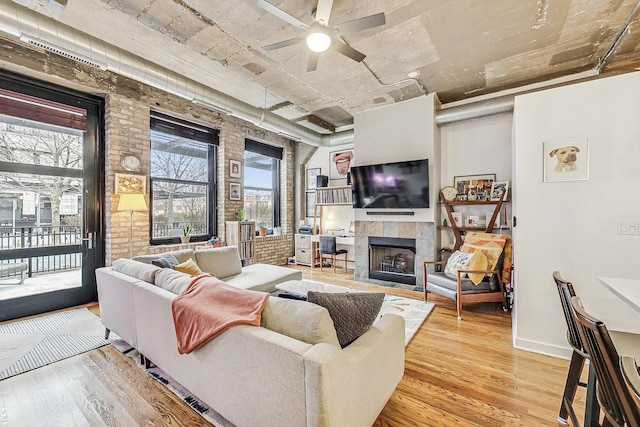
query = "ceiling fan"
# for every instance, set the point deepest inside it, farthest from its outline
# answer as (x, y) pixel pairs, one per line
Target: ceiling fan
(320, 35)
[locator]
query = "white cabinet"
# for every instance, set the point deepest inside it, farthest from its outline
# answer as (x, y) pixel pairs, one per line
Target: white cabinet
(306, 250)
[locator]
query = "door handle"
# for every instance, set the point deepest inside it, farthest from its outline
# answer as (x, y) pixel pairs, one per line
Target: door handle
(90, 239)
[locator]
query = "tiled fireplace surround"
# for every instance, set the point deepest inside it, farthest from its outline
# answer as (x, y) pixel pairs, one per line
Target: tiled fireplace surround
(423, 232)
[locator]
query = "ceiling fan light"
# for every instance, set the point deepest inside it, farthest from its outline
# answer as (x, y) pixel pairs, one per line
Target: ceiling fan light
(318, 41)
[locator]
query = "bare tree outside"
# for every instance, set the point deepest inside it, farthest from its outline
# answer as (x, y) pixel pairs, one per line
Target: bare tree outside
(34, 146)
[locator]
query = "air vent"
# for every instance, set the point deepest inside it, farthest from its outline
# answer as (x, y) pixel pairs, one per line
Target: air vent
(62, 52)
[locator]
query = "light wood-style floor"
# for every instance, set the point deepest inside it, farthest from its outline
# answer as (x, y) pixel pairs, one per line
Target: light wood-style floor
(457, 373)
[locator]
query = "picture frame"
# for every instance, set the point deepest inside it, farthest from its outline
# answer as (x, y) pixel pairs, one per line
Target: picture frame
(310, 204)
(235, 169)
(235, 191)
(340, 163)
(130, 184)
(496, 188)
(565, 160)
(457, 218)
(312, 178)
(468, 186)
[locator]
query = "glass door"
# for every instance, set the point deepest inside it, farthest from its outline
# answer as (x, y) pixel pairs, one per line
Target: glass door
(50, 240)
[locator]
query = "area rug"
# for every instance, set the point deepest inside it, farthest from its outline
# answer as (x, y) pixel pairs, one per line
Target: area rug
(414, 312)
(33, 343)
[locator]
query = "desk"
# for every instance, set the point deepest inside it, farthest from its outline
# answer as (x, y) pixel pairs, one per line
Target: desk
(342, 242)
(628, 290)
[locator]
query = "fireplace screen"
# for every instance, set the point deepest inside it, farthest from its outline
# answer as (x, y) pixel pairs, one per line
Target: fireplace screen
(392, 260)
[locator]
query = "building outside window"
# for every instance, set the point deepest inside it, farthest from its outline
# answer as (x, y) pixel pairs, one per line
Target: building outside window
(183, 184)
(262, 183)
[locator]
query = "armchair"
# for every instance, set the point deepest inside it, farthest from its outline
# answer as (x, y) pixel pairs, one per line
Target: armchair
(494, 275)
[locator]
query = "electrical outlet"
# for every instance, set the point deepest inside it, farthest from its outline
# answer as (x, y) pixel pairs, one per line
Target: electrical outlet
(629, 227)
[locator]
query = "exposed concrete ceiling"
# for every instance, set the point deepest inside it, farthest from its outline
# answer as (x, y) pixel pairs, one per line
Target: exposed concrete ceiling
(458, 49)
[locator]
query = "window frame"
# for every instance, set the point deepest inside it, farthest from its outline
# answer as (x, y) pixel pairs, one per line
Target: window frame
(212, 193)
(276, 154)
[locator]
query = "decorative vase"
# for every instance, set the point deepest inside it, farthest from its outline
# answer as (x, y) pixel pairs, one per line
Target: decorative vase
(185, 239)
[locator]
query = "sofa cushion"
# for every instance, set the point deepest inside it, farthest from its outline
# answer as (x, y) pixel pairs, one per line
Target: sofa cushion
(181, 255)
(172, 280)
(165, 261)
(263, 277)
(352, 313)
(300, 320)
(223, 262)
(189, 267)
(139, 270)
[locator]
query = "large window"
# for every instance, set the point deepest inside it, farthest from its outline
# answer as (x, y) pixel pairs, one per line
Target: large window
(183, 159)
(262, 183)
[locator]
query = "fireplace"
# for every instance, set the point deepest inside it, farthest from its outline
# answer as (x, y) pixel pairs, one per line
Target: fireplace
(392, 259)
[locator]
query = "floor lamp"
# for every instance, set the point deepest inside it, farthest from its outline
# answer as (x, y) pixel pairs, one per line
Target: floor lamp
(131, 202)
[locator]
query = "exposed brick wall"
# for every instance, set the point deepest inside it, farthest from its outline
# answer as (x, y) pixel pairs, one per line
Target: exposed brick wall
(128, 104)
(273, 249)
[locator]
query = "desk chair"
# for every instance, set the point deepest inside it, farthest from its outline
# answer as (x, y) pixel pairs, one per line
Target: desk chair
(579, 355)
(328, 249)
(614, 397)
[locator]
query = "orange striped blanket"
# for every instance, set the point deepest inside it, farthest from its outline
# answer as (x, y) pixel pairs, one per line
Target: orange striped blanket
(209, 306)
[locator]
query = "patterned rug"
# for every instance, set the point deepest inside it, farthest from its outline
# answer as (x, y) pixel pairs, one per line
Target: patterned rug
(33, 343)
(414, 312)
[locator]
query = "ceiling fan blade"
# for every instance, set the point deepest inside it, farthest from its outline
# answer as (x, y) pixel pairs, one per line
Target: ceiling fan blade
(283, 43)
(323, 11)
(312, 65)
(348, 51)
(362, 23)
(281, 14)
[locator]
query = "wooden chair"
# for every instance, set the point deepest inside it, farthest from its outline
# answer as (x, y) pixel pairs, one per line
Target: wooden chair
(578, 357)
(631, 377)
(328, 248)
(463, 290)
(614, 397)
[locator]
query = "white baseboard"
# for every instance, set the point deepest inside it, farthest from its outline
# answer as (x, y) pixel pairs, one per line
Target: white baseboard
(543, 348)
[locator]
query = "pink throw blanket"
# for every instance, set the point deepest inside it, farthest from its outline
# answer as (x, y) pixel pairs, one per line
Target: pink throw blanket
(208, 306)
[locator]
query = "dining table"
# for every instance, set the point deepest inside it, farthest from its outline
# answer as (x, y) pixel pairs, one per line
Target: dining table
(628, 290)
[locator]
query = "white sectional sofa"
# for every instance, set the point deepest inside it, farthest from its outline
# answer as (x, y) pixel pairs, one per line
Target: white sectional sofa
(290, 371)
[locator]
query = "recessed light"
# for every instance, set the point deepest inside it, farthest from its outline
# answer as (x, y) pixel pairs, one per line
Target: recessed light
(414, 74)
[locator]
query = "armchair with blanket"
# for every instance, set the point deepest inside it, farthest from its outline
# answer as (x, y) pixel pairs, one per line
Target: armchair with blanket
(479, 272)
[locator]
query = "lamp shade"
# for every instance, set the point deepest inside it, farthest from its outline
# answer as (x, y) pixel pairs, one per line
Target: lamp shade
(132, 202)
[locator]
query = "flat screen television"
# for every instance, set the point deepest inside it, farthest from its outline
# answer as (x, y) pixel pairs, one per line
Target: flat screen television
(391, 185)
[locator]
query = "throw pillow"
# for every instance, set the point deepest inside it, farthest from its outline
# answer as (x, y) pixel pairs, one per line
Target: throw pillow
(189, 267)
(457, 261)
(352, 313)
(172, 280)
(165, 261)
(478, 262)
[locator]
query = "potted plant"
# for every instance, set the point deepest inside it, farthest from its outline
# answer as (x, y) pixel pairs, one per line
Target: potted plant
(263, 230)
(186, 234)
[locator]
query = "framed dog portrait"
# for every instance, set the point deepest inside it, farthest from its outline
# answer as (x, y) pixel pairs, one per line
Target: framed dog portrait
(566, 160)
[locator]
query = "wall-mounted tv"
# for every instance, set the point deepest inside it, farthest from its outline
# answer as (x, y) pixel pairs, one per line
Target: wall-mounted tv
(391, 185)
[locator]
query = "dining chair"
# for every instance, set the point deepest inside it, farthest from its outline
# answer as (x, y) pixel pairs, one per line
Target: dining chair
(616, 402)
(328, 248)
(631, 377)
(578, 357)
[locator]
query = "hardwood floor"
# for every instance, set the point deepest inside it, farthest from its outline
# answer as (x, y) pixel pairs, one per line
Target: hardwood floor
(457, 373)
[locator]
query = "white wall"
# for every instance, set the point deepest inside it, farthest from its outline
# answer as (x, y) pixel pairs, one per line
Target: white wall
(572, 226)
(476, 147)
(340, 216)
(398, 132)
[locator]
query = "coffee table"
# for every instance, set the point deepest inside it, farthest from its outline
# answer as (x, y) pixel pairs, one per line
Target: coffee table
(301, 287)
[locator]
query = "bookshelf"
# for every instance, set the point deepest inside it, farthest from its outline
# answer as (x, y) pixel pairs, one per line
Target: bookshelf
(242, 234)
